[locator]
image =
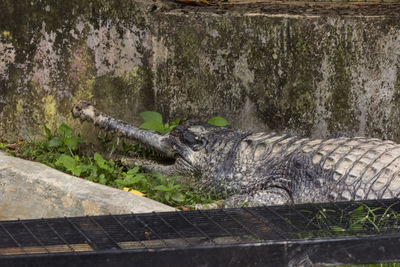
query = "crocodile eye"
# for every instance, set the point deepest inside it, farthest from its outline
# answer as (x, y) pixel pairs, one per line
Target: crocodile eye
(201, 142)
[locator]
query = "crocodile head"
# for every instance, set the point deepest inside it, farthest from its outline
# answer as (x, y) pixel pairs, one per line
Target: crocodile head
(205, 149)
(200, 149)
(205, 152)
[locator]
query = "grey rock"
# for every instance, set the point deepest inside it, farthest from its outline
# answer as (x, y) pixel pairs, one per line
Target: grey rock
(32, 190)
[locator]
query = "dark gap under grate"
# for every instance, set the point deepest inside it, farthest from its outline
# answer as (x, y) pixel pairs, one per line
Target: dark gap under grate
(303, 224)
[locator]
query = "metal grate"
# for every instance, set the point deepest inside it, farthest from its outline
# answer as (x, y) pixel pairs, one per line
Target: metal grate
(283, 235)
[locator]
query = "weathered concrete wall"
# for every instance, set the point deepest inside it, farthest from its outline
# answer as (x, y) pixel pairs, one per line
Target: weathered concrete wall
(316, 75)
(311, 70)
(57, 54)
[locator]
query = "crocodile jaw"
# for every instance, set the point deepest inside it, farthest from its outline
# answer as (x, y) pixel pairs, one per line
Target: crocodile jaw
(160, 143)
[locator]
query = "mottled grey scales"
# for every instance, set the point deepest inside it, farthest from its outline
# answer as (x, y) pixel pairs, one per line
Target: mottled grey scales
(269, 168)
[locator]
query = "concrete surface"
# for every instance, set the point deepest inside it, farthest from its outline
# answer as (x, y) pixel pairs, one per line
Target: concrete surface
(32, 190)
(311, 68)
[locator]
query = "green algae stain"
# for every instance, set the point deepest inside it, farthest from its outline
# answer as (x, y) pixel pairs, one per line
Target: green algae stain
(395, 113)
(85, 91)
(131, 78)
(339, 103)
(188, 46)
(136, 80)
(284, 77)
(6, 36)
(50, 112)
(82, 74)
(301, 94)
(19, 106)
(396, 94)
(27, 25)
(125, 96)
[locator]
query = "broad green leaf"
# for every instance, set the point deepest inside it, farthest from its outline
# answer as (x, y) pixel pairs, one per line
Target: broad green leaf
(162, 188)
(168, 129)
(151, 116)
(55, 142)
(76, 171)
(67, 161)
(176, 122)
(71, 142)
(218, 121)
(177, 186)
(178, 197)
(133, 171)
(167, 196)
(159, 176)
(85, 167)
(153, 125)
(121, 182)
(134, 179)
(170, 126)
(102, 179)
(65, 130)
(99, 160)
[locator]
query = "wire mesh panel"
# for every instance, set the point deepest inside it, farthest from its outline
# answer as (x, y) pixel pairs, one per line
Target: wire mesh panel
(283, 235)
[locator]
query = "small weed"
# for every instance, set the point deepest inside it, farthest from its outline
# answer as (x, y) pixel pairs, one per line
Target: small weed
(154, 121)
(108, 143)
(360, 220)
(389, 264)
(126, 148)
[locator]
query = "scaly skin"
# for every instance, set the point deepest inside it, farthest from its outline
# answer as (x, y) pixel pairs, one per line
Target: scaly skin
(264, 169)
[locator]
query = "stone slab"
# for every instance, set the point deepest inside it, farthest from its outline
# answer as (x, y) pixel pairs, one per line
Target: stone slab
(32, 190)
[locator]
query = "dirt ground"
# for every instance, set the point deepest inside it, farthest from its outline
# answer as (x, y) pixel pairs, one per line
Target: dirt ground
(292, 8)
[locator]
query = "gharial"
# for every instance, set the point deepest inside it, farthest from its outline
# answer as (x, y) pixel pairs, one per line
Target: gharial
(269, 168)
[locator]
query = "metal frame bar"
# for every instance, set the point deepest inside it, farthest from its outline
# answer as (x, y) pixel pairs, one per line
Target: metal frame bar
(274, 250)
(283, 253)
(59, 236)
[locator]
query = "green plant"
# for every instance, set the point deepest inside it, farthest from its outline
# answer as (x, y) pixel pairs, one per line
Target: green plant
(218, 121)
(108, 143)
(126, 148)
(170, 191)
(363, 219)
(71, 164)
(64, 139)
(153, 185)
(153, 121)
(95, 168)
(386, 264)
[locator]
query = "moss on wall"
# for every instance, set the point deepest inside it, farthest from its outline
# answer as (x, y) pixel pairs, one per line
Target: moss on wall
(313, 75)
(339, 102)
(63, 53)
